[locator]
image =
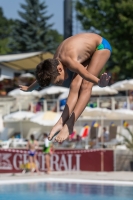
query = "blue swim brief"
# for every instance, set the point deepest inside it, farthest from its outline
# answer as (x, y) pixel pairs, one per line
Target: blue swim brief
(104, 45)
(31, 153)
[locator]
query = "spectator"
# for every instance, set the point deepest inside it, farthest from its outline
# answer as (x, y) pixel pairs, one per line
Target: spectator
(62, 104)
(130, 103)
(32, 145)
(105, 134)
(73, 135)
(47, 150)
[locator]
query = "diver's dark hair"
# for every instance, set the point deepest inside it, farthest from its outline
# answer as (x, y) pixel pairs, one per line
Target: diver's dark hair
(46, 71)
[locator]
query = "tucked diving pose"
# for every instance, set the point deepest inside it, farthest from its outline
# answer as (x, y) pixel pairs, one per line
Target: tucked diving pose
(84, 54)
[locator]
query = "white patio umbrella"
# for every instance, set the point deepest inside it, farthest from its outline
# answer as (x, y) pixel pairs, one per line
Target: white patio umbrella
(27, 75)
(96, 90)
(124, 85)
(48, 118)
(18, 92)
(123, 113)
(96, 112)
(129, 84)
(119, 85)
(2, 77)
(64, 95)
(18, 117)
(104, 113)
(53, 90)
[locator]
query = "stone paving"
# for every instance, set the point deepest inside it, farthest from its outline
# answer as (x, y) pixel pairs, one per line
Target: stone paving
(84, 176)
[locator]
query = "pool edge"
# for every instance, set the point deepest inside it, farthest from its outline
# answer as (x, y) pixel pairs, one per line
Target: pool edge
(83, 181)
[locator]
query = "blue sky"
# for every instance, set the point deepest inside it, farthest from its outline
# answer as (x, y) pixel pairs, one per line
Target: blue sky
(10, 8)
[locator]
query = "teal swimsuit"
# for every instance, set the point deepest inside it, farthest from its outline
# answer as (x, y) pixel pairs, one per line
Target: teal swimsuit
(104, 45)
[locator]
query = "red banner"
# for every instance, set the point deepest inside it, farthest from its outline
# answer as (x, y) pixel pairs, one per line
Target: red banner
(61, 160)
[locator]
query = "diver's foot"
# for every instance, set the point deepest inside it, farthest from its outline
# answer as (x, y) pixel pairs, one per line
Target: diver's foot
(55, 130)
(64, 133)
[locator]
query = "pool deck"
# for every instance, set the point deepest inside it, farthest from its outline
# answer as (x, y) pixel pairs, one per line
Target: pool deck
(83, 177)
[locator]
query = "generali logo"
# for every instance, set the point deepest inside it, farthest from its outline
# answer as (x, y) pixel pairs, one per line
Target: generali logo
(5, 163)
(68, 162)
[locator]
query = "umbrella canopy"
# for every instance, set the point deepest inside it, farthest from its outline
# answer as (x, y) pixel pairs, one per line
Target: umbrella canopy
(129, 84)
(53, 90)
(123, 113)
(96, 90)
(27, 75)
(17, 116)
(48, 118)
(64, 95)
(24, 61)
(123, 85)
(119, 114)
(18, 92)
(96, 112)
(2, 77)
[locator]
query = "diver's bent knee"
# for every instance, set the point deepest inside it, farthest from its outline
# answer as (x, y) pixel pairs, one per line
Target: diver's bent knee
(86, 85)
(75, 86)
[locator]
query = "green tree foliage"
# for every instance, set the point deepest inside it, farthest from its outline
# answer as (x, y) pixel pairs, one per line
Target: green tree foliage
(55, 38)
(32, 32)
(114, 21)
(5, 27)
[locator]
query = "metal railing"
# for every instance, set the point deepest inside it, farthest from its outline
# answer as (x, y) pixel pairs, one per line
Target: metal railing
(9, 105)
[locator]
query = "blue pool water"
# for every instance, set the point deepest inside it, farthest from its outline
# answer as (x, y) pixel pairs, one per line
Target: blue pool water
(65, 191)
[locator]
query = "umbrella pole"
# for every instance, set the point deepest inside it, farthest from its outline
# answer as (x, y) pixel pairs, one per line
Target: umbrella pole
(45, 106)
(20, 108)
(128, 103)
(102, 152)
(98, 102)
(97, 140)
(58, 105)
(21, 129)
(112, 103)
(87, 139)
(102, 138)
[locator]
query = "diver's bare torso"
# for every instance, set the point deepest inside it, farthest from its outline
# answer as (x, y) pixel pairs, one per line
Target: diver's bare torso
(79, 47)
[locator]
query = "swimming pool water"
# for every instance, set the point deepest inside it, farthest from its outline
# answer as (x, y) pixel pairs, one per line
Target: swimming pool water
(65, 191)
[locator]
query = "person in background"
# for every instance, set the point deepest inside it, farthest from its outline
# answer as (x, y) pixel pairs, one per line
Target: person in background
(130, 103)
(105, 134)
(48, 149)
(72, 135)
(32, 146)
